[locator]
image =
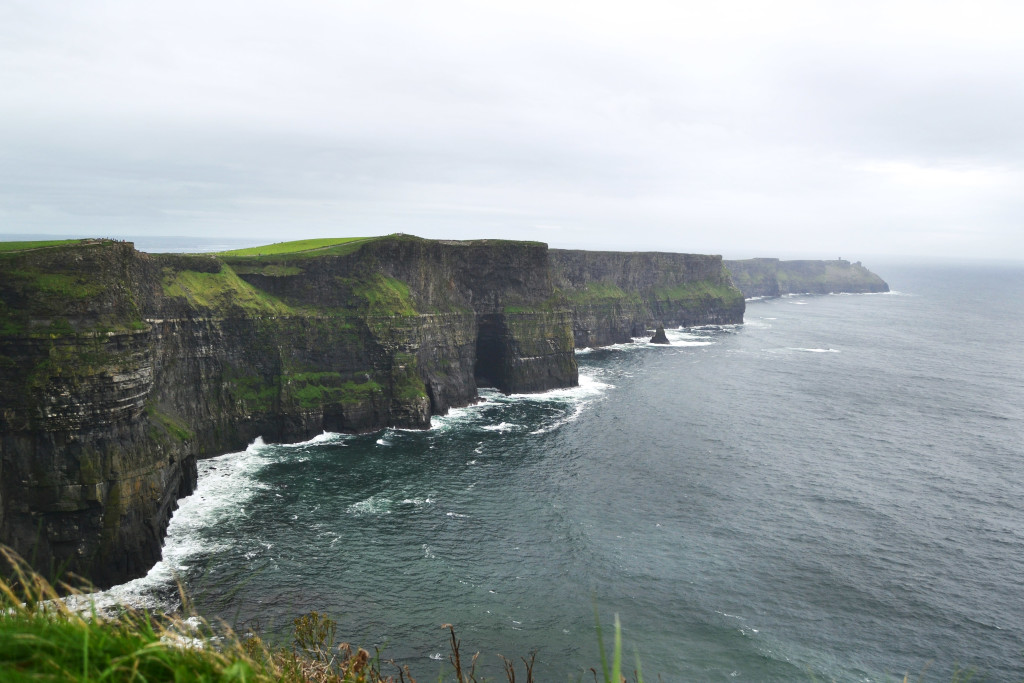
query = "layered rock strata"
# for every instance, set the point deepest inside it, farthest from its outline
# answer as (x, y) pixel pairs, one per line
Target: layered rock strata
(118, 369)
(615, 296)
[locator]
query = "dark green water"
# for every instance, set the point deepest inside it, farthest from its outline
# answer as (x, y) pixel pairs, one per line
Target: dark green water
(832, 490)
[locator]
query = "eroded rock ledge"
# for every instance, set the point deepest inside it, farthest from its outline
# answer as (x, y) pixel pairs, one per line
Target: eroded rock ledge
(118, 369)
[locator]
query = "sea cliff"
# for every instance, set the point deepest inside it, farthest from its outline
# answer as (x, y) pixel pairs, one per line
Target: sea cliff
(768, 277)
(119, 369)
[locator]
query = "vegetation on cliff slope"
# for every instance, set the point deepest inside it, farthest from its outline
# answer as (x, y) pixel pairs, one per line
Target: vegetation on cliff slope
(44, 637)
(222, 291)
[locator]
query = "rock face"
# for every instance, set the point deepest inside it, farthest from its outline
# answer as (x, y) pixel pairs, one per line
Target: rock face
(761, 277)
(615, 296)
(118, 369)
(659, 336)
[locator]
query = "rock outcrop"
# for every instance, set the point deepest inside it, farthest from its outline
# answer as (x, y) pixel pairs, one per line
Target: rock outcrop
(118, 369)
(769, 277)
(659, 336)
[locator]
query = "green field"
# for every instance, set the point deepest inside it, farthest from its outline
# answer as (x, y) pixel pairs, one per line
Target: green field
(22, 246)
(294, 247)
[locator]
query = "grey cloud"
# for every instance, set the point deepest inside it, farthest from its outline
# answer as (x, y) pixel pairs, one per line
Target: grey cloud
(669, 126)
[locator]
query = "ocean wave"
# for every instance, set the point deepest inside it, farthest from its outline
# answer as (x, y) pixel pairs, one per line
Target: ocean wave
(458, 416)
(813, 350)
(418, 502)
(319, 439)
(226, 484)
(377, 504)
(503, 427)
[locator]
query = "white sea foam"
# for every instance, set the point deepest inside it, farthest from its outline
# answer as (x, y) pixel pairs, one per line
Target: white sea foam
(584, 351)
(458, 416)
(577, 397)
(814, 350)
(226, 484)
(376, 504)
(256, 446)
(685, 338)
(418, 502)
(502, 427)
(322, 438)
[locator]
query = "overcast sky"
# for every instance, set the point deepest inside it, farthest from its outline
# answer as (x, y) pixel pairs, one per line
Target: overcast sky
(742, 128)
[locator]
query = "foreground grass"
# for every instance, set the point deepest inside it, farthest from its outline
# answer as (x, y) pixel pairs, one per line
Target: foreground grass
(44, 637)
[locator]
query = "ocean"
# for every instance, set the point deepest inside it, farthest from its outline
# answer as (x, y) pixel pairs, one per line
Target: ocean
(833, 490)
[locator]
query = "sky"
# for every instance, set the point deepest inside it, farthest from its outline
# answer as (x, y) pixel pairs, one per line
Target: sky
(783, 128)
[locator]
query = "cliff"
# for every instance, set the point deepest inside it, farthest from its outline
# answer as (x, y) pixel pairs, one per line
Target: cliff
(615, 296)
(762, 277)
(118, 369)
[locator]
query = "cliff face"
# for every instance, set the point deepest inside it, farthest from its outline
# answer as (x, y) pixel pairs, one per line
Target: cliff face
(615, 296)
(118, 369)
(771, 277)
(89, 470)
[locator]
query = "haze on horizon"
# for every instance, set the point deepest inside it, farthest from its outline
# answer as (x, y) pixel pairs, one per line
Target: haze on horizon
(788, 128)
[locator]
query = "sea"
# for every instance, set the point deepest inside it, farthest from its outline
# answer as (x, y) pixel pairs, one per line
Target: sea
(831, 491)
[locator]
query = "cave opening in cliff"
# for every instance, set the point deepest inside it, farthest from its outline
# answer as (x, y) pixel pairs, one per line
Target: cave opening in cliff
(491, 351)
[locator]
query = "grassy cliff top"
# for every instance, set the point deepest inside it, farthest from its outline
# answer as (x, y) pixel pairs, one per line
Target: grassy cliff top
(296, 247)
(43, 244)
(334, 246)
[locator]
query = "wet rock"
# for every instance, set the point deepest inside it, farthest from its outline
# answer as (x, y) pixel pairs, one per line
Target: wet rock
(659, 336)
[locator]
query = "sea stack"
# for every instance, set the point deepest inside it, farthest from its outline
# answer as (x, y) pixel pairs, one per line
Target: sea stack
(659, 336)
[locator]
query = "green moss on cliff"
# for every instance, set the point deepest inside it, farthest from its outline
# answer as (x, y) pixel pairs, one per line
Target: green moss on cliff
(221, 293)
(594, 292)
(172, 426)
(406, 384)
(317, 389)
(255, 393)
(379, 295)
(697, 291)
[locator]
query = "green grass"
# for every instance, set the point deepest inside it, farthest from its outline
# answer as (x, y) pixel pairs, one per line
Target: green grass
(294, 247)
(595, 292)
(173, 426)
(315, 389)
(40, 244)
(379, 295)
(702, 289)
(42, 639)
(222, 292)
